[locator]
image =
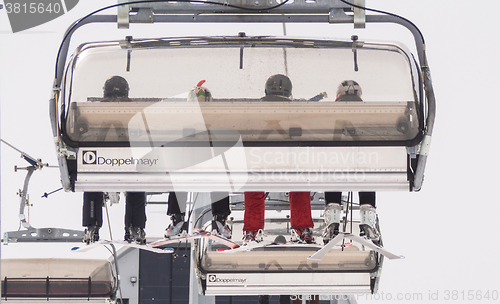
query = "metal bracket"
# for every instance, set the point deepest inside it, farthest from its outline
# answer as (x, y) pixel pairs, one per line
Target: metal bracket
(69, 154)
(43, 235)
(144, 15)
(425, 145)
(413, 151)
(337, 14)
(243, 7)
(359, 14)
(123, 15)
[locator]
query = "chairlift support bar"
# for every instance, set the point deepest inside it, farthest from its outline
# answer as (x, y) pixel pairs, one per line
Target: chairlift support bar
(30, 233)
(33, 161)
(319, 11)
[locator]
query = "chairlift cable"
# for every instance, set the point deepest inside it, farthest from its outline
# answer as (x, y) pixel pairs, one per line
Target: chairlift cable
(109, 223)
(185, 250)
(345, 219)
(285, 57)
(56, 96)
(192, 208)
(352, 200)
(201, 215)
(175, 254)
(118, 286)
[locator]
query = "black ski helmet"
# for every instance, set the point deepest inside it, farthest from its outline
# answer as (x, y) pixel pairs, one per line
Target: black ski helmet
(116, 86)
(280, 85)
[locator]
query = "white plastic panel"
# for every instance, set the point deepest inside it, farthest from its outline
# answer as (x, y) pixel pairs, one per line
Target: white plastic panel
(239, 168)
(286, 284)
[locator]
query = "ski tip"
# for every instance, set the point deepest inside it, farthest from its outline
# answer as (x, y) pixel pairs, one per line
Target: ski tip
(75, 248)
(395, 257)
(168, 250)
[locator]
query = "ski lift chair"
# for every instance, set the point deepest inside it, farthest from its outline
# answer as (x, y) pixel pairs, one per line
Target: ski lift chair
(278, 266)
(34, 279)
(236, 141)
(160, 141)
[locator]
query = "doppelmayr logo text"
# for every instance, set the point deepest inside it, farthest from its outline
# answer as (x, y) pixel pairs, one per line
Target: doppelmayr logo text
(91, 158)
(214, 279)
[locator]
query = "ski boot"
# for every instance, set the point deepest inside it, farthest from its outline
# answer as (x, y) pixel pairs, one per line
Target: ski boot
(91, 234)
(332, 221)
(303, 235)
(220, 227)
(178, 227)
(135, 234)
(250, 236)
(368, 225)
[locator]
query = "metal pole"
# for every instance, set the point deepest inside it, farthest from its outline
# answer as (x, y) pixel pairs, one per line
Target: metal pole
(194, 296)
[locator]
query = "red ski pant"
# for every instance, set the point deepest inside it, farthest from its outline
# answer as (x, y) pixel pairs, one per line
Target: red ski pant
(300, 210)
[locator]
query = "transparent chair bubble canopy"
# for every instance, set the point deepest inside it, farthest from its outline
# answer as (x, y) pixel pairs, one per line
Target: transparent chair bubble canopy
(163, 74)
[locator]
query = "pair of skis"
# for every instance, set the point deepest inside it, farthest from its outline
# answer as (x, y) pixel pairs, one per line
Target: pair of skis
(320, 254)
(161, 246)
(197, 234)
(100, 243)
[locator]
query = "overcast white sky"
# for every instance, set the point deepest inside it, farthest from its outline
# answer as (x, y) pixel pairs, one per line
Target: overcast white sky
(448, 231)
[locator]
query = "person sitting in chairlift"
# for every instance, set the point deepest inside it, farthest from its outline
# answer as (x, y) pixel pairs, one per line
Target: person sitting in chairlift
(220, 212)
(115, 89)
(349, 90)
(278, 88)
(177, 200)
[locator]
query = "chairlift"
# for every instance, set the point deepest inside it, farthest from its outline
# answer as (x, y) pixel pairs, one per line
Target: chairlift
(280, 266)
(158, 141)
(194, 119)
